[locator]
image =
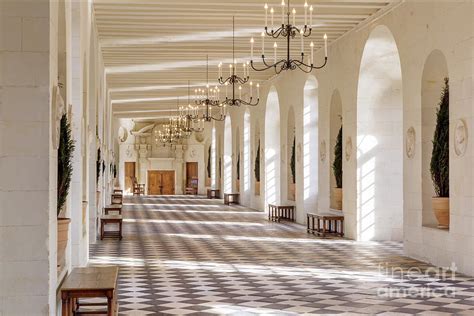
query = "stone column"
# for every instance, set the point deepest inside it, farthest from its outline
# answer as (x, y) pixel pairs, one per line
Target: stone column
(79, 241)
(28, 159)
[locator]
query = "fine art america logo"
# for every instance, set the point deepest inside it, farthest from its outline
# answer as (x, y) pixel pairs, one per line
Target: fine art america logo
(414, 282)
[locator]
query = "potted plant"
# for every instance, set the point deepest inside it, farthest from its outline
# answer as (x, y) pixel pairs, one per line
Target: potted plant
(65, 151)
(257, 170)
(292, 185)
(337, 170)
(439, 166)
(208, 168)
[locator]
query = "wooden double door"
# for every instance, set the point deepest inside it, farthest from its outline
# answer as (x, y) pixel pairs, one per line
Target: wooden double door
(161, 182)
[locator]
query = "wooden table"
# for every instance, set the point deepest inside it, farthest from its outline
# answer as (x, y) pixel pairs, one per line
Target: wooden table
(111, 219)
(231, 198)
(326, 223)
(90, 282)
(213, 193)
(191, 191)
(277, 212)
(113, 208)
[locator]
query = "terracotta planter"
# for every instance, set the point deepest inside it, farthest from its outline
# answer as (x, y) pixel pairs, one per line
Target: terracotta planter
(257, 188)
(441, 211)
(337, 198)
(292, 191)
(63, 234)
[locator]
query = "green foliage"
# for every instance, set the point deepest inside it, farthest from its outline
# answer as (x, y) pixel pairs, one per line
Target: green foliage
(238, 167)
(220, 167)
(209, 162)
(337, 164)
(257, 163)
(98, 164)
(439, 166)
(292, 161)
(65, 151)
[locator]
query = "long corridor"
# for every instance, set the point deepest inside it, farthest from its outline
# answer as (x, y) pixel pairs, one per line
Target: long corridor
(189, 255)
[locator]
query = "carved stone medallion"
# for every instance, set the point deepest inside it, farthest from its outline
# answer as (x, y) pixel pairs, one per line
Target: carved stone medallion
(410, 145)
(348, 148)
(460, 138)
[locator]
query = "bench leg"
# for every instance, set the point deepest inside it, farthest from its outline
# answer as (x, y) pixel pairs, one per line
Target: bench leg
(120, 230)
(102, 231)
(109, 306)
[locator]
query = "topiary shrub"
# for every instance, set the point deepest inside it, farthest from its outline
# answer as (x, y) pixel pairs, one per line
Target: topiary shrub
(65, 152)
(209, 162)
(98, 165)
(439, 166)
(293, 162)
(257, 164)
(337, 164)
(238, 166)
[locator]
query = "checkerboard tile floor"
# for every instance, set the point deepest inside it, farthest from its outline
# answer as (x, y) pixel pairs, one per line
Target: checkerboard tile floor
(186, 255)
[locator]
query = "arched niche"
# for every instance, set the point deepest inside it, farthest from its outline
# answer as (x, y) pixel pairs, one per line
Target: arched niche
(246, 153)
(310, 144)
(432, 83)
(380, 140)
(335, 124)
(228, 176)
(272, 148)
(290, 136)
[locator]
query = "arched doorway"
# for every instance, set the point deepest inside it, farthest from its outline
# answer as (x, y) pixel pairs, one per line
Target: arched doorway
(228, 176)
(310, 143)
(435, 71)
(380, 140)
(213, 158)
(272, 148)
(246, 156)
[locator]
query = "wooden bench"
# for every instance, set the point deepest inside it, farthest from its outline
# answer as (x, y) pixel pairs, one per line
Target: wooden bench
(116, 199)
(90, 282)
(324, 224)
(191, 191)
(113, 208)
(213, 193)
(277, 212)
(231, 198)
(111, 219)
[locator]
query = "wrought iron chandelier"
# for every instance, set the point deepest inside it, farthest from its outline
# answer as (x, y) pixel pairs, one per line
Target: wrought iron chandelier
(289, 32)
(234, 79)
(189, 117)
(171, 133)
(208, 99)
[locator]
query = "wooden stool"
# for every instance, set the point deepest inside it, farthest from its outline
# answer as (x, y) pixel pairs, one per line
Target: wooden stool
(116, 199)
(111, 219)
(231, 198)
(325, 224)
(277, 212)
(213, 193)
(113, 208)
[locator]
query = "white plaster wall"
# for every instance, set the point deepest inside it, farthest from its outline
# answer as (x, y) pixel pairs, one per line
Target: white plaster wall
(418, 28)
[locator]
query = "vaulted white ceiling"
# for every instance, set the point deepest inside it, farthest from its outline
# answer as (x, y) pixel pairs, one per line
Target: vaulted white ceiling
(151, 48)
